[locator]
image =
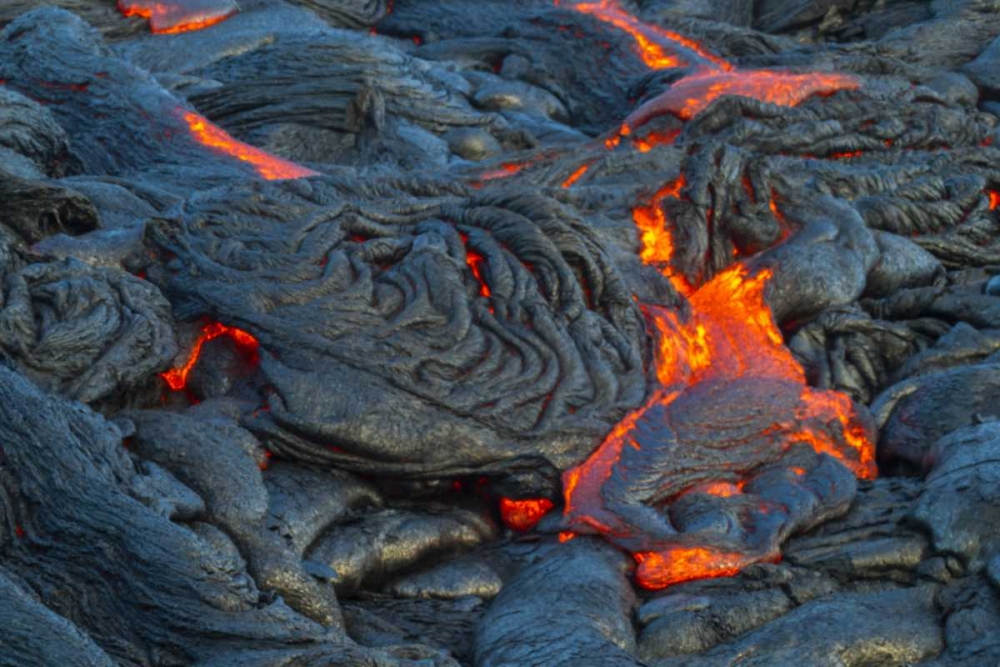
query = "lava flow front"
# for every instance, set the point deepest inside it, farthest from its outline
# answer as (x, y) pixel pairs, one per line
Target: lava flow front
(725, 385)
(174, 16)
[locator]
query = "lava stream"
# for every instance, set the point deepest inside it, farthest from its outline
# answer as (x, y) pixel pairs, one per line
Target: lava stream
(713, 77)
(175, 16)
(268, 166)
(659, 48)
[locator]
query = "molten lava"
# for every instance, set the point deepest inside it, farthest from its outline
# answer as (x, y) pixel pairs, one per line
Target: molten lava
(659, 48)
(728, 349)
(266, 165)
(176, 378)
(689, 96)
(174, 16)
(657, 239)
(575, 176)
(522, 515)
(475, 262)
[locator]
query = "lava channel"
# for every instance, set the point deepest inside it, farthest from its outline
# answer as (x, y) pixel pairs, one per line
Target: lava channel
(174, 16)
(712, 77)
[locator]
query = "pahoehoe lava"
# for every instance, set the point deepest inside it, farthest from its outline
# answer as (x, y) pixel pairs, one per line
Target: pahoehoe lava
(489, 332)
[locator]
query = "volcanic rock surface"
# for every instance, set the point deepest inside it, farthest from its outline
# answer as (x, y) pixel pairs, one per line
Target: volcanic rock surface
(499, 333)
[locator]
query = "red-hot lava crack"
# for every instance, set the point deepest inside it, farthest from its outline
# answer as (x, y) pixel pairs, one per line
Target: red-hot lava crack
(268, 166)
(176, 378)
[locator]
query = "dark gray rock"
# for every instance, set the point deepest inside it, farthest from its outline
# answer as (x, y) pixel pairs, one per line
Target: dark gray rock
(572, 607)
(894, 628)
(959, 506)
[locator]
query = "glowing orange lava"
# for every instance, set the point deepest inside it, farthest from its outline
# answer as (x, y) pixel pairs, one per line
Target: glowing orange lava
(176, 378)
(660, 569)
(654, 139)
(174, 17)
(656, 236)
(575, 176)
(713, 76)
(522, 515)
(994, 199)
(729, 338)
(266, 165)
(659, 48)
(689, 96)
(475, 262)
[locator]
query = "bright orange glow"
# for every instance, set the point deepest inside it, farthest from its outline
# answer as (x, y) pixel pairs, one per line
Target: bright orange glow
(266, 165)
(505, 170)
(729, 338)
(659, 48)
(575, 176)
(720, 489)
(689, 96)
(654, 139)
(522, 515)
(847, 155)
(174, 17)
(566, 536)
(660, 569)
(475, 262)
(655, 234)
(994, 199)
(176, 378)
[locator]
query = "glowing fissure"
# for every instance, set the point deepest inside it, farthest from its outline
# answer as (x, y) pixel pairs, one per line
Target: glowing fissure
(267, 166)
(173, 17)
(176, 378)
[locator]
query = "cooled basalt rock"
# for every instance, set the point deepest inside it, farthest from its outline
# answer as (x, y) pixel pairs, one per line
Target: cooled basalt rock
(87, 333)
(919, 411)
(958, 506)
(77, 503)
(28, 129)
(372, 549)
(585, 581)
(894, 628)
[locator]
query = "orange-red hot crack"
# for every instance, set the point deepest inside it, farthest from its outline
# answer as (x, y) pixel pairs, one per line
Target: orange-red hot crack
(268, 166)
(176, 378)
